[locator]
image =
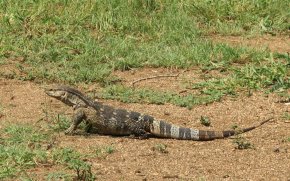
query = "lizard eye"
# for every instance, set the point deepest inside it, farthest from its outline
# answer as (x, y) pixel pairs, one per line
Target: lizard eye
(64, 94)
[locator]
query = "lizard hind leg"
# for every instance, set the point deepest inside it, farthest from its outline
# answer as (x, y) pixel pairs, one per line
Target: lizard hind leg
(88, 127)
(141, 134)
(77, 118)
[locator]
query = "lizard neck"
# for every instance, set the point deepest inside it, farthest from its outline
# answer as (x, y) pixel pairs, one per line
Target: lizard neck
(81, 97)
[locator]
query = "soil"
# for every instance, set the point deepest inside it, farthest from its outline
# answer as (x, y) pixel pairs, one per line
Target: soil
(133, 159)
(280, 44)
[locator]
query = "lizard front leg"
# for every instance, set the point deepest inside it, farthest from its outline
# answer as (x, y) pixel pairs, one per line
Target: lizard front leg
(77, 118)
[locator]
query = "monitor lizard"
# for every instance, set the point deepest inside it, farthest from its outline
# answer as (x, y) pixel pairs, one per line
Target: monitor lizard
(107, 120)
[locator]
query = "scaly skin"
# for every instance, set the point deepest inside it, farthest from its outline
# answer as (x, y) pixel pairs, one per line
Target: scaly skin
(103, 119)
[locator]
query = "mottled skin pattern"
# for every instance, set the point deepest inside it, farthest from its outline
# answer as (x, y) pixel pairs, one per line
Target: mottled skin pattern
(103, 119)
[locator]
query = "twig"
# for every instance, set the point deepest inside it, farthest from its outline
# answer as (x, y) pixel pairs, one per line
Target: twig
(153, 77)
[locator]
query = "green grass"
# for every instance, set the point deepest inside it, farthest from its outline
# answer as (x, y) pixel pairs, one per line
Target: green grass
(205, 121)
(20, 150)
(270, 74)
(235, 17)
(162, 148)
(286, 116)
(23, 147)
(74, 161)
(73, 42)
(240, 142)
(104, 151)
(130, 95)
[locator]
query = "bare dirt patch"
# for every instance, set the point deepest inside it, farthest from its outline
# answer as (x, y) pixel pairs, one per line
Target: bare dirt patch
(133, 159)
(279, 44)
(165, 79)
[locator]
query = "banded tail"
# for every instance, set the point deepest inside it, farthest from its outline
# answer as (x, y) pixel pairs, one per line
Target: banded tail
(167, 130)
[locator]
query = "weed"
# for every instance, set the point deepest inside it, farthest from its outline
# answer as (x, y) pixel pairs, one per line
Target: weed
(162, 148)
(240, 142)
(205, 121)
(104, 151)
(60, 123)
(286, 116)
(83, 170)
(285, 96)
(109, 149)
(57, 176)
(20, 149)
(74, 161)
(286, 140)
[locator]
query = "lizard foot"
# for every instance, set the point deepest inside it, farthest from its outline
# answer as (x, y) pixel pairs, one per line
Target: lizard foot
(69, 131)
(139, 136)
(144, 136)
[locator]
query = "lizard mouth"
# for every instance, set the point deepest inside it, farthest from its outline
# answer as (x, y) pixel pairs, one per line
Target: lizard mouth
(54, 93)
(49, 92)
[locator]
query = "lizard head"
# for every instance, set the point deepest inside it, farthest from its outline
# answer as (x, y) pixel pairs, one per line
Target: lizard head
(65, 95)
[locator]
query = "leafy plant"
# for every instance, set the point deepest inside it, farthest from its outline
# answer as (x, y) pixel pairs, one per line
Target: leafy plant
(205, 121)
(74, 161)
(57, 175)
(162, 148)
(240, 142)
(103, 151)
(20, 149)
(286, 116)
(60, 123)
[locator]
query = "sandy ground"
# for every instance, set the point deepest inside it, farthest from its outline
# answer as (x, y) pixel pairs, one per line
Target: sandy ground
(25, 102)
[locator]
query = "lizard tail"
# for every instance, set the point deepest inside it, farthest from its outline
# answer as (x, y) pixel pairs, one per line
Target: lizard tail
(163, 129)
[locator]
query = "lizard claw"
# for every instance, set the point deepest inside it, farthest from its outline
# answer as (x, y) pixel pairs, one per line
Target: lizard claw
(69, 131)
(143, 136)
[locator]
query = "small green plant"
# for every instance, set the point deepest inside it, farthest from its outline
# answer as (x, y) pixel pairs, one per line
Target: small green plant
(75, 161)
(58, 176)
(109, 149)
(104, 151)
(83, 170)
(162, 148)
(286, 116)
(60, 123)
(1, 111)
(284, 95)
(205, 121)
(21, 149)
(286, 139)
(240, 142)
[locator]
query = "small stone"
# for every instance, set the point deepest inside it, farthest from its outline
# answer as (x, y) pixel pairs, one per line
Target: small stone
(137, 171)
(226, 176)
(166, 113)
